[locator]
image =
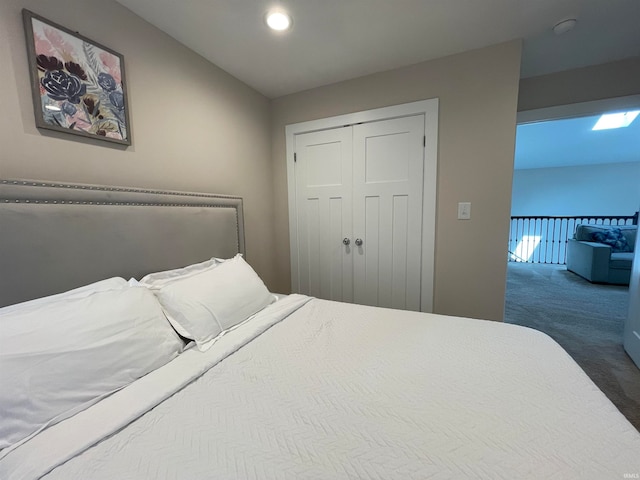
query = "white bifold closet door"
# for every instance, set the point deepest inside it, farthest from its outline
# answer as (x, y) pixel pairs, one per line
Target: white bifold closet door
(359, 212)
(324, 193)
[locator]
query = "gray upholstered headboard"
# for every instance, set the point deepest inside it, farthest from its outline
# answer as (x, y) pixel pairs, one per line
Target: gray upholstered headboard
(57, 236)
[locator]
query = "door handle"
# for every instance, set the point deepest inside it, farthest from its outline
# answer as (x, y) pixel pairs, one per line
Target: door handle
(346, 241)
(359, 242)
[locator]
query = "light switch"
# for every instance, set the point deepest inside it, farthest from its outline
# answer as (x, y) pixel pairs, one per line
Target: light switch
(464, 211)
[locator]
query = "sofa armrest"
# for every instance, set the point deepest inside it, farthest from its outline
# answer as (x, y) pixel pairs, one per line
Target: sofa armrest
(589, 259)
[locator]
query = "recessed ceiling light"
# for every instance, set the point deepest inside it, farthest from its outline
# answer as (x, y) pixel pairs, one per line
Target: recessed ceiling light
(615, 120)
(278, 20)
(564, 26)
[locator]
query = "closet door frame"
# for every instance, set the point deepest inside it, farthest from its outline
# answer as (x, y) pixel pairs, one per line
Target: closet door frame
(428, 108)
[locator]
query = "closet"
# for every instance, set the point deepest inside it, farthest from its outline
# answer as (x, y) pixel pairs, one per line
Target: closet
(358, 212)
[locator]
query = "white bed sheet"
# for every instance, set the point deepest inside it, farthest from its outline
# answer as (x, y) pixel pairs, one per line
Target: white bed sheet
(332, 390)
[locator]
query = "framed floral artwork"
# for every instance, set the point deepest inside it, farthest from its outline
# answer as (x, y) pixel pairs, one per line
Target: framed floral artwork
(78, 85)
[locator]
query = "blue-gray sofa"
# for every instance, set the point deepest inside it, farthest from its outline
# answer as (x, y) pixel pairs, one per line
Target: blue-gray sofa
(602, 253)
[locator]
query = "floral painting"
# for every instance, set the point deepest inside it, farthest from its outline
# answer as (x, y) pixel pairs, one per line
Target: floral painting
(78, 85)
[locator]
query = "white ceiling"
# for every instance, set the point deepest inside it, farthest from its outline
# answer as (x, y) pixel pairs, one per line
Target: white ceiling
(571, 142)
(334, 40)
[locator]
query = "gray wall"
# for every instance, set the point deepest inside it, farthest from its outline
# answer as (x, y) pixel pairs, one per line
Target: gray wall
(597, 82)
(478, 92)
(195, 127)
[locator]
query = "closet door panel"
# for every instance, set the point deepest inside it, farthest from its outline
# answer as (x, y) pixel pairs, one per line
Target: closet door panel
(399, 246)
(366, 282)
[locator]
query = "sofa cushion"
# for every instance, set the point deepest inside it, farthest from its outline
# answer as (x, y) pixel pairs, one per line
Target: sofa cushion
(584, 233)
(621, 238)
(630, 231)
(622, 260)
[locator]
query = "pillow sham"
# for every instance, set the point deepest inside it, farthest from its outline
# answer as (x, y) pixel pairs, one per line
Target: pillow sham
(59, 357)
(212, 301)
(158, 279)
(85, 290)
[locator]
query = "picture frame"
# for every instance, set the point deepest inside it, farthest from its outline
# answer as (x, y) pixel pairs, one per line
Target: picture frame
(78, 85)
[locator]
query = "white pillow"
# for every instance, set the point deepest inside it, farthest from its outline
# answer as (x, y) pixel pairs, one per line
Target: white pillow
(158, 279)
(59, 357)
(212, 301)
(85, 290)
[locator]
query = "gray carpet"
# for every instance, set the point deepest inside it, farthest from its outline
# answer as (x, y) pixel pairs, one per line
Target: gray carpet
(586, 319)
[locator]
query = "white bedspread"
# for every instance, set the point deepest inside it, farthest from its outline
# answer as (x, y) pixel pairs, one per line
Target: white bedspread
(324, 390)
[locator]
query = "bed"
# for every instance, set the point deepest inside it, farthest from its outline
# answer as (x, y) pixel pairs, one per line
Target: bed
(284, 387)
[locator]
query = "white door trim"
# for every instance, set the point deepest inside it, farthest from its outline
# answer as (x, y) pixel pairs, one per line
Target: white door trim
(428, 108)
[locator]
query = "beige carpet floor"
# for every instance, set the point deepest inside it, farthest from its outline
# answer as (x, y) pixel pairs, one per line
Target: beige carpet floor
(586, 319)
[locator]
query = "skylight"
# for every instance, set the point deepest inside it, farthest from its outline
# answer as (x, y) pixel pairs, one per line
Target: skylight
(615, 120)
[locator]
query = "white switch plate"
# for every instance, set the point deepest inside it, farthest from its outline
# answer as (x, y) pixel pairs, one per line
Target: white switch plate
(464, 211)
